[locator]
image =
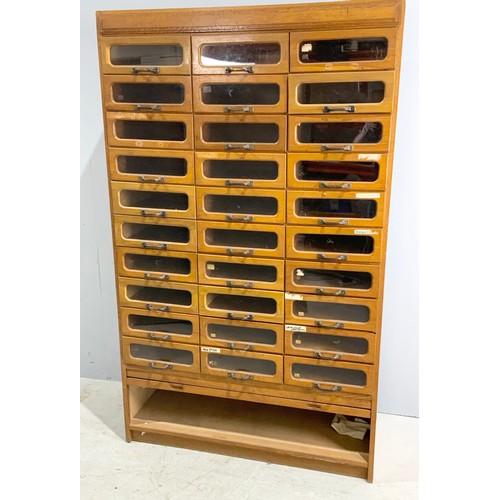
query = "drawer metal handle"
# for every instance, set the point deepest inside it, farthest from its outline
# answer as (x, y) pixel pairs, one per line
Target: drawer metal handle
(343, 222)
(147, 107)
(247, 317)
(162, 277)
(159, 246)
(249, 147)
(154, 336)
(143, 178)
(238, 109)
(336, 326)
(232, 284)
(238, 218)
(340, 258)
(147, 213)
(318, 355)
(326, 185)
(338, 293)
(145, 69)
(238, 69)
(232, 345)
(239, 183)
(151, 307)
(248, 251)
(239, 377)
(336, 148)
(333, 109)
(335, 388)
(156, 366)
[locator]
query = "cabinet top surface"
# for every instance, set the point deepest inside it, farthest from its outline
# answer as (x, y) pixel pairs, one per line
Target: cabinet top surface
(328, 15)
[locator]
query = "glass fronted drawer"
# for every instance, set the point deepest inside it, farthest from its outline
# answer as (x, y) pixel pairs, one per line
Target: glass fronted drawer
(243, 366)
(343, 50)
(338, 280)
(150, 130)
(151, 166)
(367, 92)
(147, 93)
(158, 296)
(146, 55)
(244, 305)
(244, 240)
(159, 326)
(334, 209)
(236, 54)
(331, 312)
(338, 172)
(329, 376)
(257, 170)
(241, 205)
(240, 132)
(320, 343)
(156, 264)
(240, 94)
(240, 336)
(153, 200)
(156, 234)
(357, 133)
(333, 244)
(162, 356)
(241, 272)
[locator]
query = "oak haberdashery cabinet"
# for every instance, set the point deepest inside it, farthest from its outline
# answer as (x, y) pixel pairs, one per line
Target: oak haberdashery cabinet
(249, 155)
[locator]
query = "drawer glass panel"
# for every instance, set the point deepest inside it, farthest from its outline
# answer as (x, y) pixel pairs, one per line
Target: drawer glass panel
(157, 93)
(244, 334)
(336, 279)
(247, 272)
(240, 169)
(335, 207)
(241, 132)
(160, 295)
(241, 239)
(338, 132)
(322, 342)
(258, 205)
(158, 324)
(155, 232)
(152, 165)
(240, 93)
(154, 199)
(240, 54)
(333, 243)
(353, 49)
(245, 303)
(329, 374)
(337, 171)
(241, 364)
(340, 92)
(146, 55)
(156, 353)
(331, 310)
(150, 130)
(176, 265)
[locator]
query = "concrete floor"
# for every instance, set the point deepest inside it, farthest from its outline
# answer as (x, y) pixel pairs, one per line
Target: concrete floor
(112, 469)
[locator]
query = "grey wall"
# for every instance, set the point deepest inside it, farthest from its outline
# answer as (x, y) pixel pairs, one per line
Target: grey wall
(398, 391)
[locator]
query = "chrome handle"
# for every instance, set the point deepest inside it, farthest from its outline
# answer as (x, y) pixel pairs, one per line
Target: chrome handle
(338, 293)
(335, 148)
(343, 222)
(147, 107)
(151, 307)
(318, 355)
(340, 258)
(232, 345)
(143, 178)
(242, 377)
(230, 251)
(162, 277)
(232, 284)
(147, 213)
(335, 388)
(238, 69)
(243, 218)
(239, 146)
(145, 69)
(336, 326)
(159, 246)
(239, 183)
(153, 336)
(238, 109)
(167, 366)
(247, 317)
(333, 109)
(325, 185)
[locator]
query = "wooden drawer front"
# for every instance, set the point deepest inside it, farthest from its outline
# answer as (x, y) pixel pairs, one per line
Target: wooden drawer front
(241, 272)
(153, 200)
(242, 366)
(333, 244)
(159, 326)
(244, 240)
(329, 376)
(331, 312)
(162, 356)
(249, 170)
(334, 93)
(325, 278)
(156, 264)
(356, 133)
(241, 336)
(146, 55)
(335, 208)
(240, 94)
(241, 205)
(151, 166)
(147, 93)
(343, 50)
(245, 305)
(240, 132)
(357, 172)
(321, 343)
(158, 296)
(150, 130)
(235, 54)
(156, 234)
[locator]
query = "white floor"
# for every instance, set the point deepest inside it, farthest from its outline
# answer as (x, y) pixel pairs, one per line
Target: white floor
(113, 469)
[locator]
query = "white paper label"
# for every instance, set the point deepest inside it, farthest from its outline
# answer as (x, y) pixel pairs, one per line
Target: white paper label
(368, 195)
(306, 47)
(210, 267)
(369, 157)
(299, 272)
(293, 296)
(210, 349)
(365, 231)
(295, 328)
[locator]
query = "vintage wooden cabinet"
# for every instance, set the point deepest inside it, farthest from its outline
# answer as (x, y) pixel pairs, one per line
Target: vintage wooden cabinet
(249, 156)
